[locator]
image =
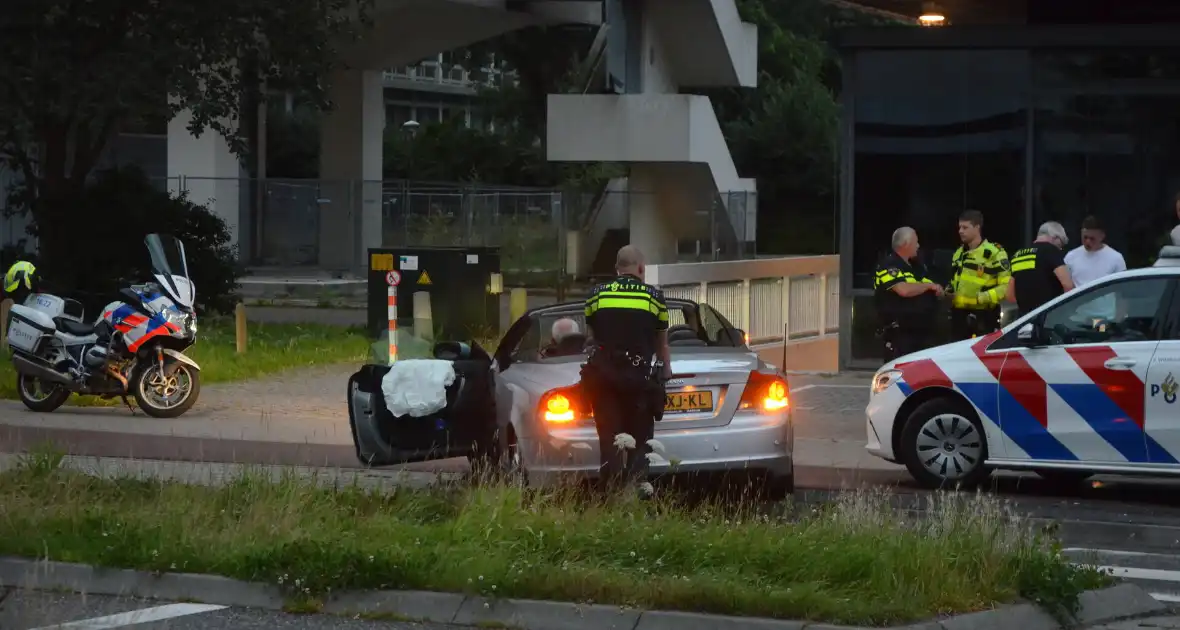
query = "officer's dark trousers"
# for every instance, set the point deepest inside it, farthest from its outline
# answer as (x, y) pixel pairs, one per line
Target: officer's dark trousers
(962, 327)
(620, 407)
(902, 341)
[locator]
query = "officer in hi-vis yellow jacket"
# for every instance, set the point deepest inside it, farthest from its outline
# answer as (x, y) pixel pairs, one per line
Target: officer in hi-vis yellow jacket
(979, 282)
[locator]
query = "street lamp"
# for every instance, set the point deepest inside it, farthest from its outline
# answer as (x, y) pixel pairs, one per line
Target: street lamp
(410, 127)
(931, 15)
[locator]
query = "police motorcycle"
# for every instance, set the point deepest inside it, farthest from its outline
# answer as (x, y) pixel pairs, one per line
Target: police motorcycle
(135, 347)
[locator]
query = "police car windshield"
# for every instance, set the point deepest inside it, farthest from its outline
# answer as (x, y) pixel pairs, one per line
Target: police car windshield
(688, 326)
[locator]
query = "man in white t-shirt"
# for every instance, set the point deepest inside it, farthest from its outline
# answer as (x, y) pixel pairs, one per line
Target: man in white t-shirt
(1176, 230)
(1093, 260)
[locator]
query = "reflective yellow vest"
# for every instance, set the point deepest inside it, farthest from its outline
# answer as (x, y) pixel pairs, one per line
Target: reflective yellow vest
(980, 279)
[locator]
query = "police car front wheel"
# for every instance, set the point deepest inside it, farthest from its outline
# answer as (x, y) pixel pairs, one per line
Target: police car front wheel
(943, 444)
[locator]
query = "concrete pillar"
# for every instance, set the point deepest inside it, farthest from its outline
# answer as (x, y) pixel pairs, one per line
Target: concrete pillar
(209, 171)
(656, 76)
(351, 144)
(652, 231)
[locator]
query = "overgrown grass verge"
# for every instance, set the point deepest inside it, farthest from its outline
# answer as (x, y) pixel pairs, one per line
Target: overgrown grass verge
(854, 561)
(272, 348)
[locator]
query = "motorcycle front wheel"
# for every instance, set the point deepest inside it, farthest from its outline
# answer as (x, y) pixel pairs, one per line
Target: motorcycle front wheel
(161, 395)
(38, 395)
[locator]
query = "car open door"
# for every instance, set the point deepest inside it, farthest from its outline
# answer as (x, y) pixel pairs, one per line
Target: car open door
(383, 439)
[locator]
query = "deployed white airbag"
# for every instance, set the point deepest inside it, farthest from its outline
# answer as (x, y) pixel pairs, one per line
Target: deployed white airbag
(417, 387)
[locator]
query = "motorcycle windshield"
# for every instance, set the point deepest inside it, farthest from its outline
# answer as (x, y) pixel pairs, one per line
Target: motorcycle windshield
(170, 266)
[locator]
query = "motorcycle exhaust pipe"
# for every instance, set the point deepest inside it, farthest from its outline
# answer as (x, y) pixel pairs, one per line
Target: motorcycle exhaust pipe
(39, 370)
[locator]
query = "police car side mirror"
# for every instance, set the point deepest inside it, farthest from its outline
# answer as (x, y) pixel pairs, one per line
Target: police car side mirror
(1030, 335)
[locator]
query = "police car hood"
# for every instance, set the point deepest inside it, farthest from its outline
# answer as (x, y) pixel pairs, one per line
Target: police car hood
(943, 352)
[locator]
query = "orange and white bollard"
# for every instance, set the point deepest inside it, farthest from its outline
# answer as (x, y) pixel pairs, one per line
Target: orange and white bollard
(392, 279)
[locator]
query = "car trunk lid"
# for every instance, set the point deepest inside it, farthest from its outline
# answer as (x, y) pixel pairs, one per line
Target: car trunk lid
(705, 388)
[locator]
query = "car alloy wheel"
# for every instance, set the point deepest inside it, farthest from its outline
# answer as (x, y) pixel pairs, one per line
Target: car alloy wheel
(949, 446)
(942, 444)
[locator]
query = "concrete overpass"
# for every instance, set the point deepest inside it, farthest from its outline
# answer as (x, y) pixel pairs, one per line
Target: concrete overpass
(681, 170)
(672, 141)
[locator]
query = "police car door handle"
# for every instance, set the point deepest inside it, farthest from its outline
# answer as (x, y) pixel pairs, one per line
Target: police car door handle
(1119, 363)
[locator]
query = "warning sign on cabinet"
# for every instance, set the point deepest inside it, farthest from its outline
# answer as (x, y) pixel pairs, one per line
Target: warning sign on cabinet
(424, 278)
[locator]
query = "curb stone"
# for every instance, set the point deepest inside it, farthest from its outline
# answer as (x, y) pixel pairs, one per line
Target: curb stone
(1115, 603)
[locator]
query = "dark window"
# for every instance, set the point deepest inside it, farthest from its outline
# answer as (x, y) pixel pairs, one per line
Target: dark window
(1109, 148)
(398, 115)
(1120, 311)
(427, 114)
(937, 133)
(1073, 67)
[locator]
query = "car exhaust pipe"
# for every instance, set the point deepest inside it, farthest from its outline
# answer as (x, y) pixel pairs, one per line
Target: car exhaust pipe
(39, 370)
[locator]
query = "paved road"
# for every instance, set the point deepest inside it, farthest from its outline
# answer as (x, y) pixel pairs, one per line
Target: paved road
(29, 610)
(300, 419)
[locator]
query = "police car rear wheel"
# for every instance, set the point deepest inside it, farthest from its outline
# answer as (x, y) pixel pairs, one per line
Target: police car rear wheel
(943, 445)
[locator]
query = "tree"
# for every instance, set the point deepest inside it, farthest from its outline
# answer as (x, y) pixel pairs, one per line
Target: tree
(543, 59)
(784, 133)
(76, 72)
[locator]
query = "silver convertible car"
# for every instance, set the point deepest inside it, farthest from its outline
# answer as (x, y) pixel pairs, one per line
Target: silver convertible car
(522, 408)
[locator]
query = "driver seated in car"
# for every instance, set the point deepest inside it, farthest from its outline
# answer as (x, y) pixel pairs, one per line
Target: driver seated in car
(567, 339)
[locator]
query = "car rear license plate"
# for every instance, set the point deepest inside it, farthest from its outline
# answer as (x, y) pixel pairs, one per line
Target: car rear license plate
(683, 402)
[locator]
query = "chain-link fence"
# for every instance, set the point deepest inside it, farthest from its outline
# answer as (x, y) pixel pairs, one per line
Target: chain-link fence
(329, 224)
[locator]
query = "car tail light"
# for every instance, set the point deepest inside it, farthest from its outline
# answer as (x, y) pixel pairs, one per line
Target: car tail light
(563, 405)
(765, 392)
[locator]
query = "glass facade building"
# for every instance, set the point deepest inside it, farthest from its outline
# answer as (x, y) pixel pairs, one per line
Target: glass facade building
(1024, 123)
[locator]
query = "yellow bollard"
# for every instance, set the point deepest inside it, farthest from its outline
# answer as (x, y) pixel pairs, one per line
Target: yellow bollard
(5, 309)
(240, 327)
(518, 303)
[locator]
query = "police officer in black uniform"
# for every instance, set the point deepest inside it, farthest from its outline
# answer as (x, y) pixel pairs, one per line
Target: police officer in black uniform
(907, 301)
(627, 366)
(1039, 272)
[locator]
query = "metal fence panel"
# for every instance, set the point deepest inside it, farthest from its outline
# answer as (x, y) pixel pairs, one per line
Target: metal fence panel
(766, 309)
(804, 306)
(728, 298)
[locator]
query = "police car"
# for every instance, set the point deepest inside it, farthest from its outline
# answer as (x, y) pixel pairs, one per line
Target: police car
(1086, 384)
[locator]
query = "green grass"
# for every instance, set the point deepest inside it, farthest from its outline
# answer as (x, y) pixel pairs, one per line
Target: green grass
(854, 562)
(272, 348)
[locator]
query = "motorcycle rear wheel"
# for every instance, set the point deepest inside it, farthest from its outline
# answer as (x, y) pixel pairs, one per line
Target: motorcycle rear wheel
(39, 396)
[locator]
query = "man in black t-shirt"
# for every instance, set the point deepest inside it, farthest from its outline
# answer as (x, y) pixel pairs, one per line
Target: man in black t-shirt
(1039, 272)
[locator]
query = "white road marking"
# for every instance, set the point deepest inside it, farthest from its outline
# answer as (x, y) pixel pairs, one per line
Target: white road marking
(1117, 552)
(1136, 573)
(1158, 575)
(135, 617)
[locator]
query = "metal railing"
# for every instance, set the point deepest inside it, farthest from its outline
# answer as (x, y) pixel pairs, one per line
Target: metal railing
(441, 72)
(773, 299)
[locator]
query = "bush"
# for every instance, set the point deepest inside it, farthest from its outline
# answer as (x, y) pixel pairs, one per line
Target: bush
(116, 211)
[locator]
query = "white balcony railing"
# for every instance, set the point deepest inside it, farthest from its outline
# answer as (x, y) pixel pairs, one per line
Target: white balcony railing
(439, 72)
(773, 299)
